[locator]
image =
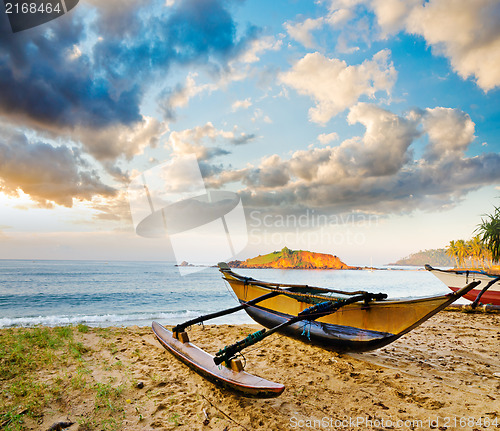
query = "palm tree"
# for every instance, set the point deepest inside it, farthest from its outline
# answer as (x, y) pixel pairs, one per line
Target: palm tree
(462, 251)
(475, 247)
(489, 229)
(451, 251)
(469, 254)
(487, 257)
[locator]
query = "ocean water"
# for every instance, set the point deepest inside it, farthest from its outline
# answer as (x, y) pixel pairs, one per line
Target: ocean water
(98, 293)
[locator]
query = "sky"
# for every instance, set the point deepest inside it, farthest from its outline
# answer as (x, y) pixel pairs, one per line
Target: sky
(368, 129)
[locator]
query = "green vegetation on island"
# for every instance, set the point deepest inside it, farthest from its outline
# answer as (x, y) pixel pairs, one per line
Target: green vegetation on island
(434, 257)
(292, 259)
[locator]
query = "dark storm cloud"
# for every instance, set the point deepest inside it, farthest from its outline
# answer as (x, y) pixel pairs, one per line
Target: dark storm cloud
(44, 84)
(40, 81)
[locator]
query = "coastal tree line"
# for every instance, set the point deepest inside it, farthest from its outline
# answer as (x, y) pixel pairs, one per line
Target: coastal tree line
(483, 250)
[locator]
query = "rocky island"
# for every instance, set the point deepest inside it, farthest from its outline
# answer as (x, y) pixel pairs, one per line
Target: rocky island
(292, 259)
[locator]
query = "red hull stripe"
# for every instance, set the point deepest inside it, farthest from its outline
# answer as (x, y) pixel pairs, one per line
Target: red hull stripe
(489, 297)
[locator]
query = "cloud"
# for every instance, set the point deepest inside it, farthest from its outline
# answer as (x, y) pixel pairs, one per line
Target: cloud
(339, 17)
(189, 141)
(340, 13)
(115, 18)
(243, 138)
(84, 75)
(335, 86)
(272, 173)
(383, 150)
(202, 29)
(195, 141)
(114, 209)
(109, 143)
(326, 138)
(46, 173)
(259, 115)
(466, 32)
(258, 47)
(190, 32)
(375, 172)
(179, 97)
(81, 80)
(301, 31)
(45, 84)
(450, 132)
(391, 15)
(241, 104)
(242, 65)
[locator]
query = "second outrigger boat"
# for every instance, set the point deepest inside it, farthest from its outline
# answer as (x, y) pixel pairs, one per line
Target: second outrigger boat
(486, 292)
(342, 321)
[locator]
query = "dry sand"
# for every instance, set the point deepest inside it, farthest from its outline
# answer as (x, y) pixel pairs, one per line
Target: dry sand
(437, 377)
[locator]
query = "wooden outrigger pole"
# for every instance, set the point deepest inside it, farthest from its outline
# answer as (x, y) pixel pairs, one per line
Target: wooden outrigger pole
(312, 313)
(485, 288)
(180, 328)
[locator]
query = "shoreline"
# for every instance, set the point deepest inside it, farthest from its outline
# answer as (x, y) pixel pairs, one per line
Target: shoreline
(461, 305)
(122, 379)
(240, 318)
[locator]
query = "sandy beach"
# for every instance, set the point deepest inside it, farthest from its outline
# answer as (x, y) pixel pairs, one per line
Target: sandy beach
(443, 375)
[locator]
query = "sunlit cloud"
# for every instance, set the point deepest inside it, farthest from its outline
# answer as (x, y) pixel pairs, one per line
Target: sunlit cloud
(335, 86)
(171, 100)
(201, 141)
(241, 104)
(49, 175)
(302, 31)
(473, 50)
(377, 171)
(326, 138)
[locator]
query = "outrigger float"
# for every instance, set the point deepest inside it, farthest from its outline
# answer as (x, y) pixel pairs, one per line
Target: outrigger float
(338, 320)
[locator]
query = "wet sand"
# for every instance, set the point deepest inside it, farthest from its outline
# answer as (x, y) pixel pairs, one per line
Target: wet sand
(443, 375)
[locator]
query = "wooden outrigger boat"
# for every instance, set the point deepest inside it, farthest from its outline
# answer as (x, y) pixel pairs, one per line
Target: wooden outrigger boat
(203, 363)
(486, 292)
(366, 324)
(338, 320)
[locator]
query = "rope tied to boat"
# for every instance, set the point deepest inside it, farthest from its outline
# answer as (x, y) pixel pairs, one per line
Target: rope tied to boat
(323, 307)
(225, 354)
(309, 314)
(307, 325)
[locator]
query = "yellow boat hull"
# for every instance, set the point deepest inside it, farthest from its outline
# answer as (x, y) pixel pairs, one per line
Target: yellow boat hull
(355, 327)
